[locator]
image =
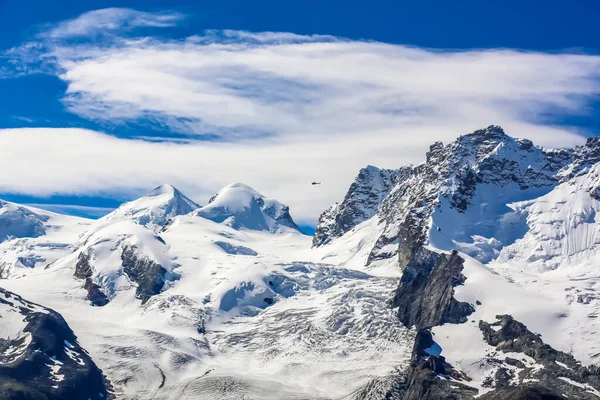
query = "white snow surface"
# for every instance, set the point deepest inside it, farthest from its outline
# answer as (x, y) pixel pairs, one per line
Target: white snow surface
(241, 207)
(34, 238)
(563, 230)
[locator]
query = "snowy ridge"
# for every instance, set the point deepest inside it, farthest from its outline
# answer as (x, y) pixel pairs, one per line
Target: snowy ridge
(17, 221)
(250, 313)
(527, 212)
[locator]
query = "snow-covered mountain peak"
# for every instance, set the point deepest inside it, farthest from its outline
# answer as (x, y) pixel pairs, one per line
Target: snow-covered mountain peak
(239, 206)
(154, 209)
(164, 189)
(17, 221)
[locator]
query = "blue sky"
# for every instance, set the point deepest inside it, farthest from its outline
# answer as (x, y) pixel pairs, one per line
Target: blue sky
(260, 108)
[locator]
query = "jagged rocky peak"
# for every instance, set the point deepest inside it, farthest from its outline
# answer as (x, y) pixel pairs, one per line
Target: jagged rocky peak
(366, 193)
(17, 221)
(40, 356)
(486, 166)
(241, 207)
(439, 198)
(154, 209)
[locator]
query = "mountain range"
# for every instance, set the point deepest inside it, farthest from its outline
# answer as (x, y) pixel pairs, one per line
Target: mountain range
(470, 275)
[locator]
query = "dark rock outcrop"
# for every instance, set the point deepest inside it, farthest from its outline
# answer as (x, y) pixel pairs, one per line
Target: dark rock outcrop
(46, 362)
(425, 380)
(83, 270)
(425, 295)
(428, 377)
(149, 276)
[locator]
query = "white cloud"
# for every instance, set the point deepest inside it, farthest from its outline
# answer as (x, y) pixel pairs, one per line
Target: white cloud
(109, 20)
(290, 109)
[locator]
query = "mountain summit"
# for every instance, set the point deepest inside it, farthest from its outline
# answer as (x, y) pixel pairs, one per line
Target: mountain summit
(239, 206)
(154, 209)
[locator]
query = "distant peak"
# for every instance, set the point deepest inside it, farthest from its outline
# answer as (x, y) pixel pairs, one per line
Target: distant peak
(163, 189)
(491, 132)
(154, 209)
(237, 186)
(240, 206)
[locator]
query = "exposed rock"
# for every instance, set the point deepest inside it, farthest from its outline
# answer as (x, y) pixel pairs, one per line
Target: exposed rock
(149, 276)
(44, 361)
(430, 377)
(365, 195)
(557, 375)
(451, 175)
(83, 270)
(425, 295)
(526, 392)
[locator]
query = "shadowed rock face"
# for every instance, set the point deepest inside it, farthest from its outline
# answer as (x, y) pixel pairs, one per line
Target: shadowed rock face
(149, 276)
(424, 381)
(83, 270)
(46, 362)
(425, 295)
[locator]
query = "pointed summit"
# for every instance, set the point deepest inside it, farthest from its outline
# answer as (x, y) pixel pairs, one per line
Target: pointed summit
(239, 206)
(155, 208)
(164, 189)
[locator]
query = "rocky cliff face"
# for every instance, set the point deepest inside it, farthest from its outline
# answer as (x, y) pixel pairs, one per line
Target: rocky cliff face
(149, 276)
(553, 373)
(40, 357)
(425, 295)
(83, 270)
(365, 195)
